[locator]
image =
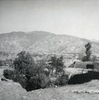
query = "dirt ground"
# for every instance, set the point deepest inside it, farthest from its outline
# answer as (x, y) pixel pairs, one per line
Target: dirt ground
(13, 91)
(87, 91)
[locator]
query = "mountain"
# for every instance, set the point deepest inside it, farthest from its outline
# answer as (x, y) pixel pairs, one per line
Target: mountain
(15, 42)
(63, 44)
(44, 43)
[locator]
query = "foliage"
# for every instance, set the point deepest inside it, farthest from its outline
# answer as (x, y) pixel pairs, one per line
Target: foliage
(38, 81)
(57, 63)
(24, 63)
(33, 75)
(8, 73)
(88, 52)
(62, 80)
(58, 76)
(29, 74)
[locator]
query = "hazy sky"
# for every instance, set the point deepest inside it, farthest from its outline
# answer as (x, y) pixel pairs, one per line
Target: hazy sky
(74, 17)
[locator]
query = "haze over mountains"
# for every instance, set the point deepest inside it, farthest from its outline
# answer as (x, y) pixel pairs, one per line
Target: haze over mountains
(43, 42)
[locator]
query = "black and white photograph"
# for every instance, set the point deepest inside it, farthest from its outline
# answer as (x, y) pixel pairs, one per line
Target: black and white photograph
(49, 49)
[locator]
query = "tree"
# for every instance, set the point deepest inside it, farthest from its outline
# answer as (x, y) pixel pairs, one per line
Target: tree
(57, 63)
(29, 74)
(33, 75)
(24, 63)
(88, 52)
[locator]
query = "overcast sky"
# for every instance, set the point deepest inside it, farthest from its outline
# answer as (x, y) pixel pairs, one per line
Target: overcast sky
(74, 17)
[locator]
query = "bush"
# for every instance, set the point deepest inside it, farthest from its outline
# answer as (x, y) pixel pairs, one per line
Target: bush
(37, 82)
(35, 76)
(57, 64)
(24, 63)
(58, 73)
(62, 80)
(8, 74)
(30, 75)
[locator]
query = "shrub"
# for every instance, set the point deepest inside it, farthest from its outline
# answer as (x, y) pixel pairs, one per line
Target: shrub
(62, 80)
(30, 75)
(8, 74)
(57, 64)
(24, 63)
(35, 76)
(37, 82)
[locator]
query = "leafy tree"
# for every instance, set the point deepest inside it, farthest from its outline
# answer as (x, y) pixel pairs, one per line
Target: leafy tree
(88, 52)
(57, 63)
(24, 63)
(30, 75)
(33, 75)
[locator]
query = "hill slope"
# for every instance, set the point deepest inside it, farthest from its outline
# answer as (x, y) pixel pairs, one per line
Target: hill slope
(43, 42)
(17, 41)
(62, 44)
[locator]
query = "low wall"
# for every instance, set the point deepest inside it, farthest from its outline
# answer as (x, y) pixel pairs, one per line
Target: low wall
(82, 78)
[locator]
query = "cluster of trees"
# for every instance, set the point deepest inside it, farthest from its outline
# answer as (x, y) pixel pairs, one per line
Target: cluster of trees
(32, 75)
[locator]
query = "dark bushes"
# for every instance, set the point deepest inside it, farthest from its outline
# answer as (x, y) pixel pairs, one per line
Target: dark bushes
(8, 74)
(62, 80)
(35, 76)
(30, 75)
(57, 64)
(37, 82)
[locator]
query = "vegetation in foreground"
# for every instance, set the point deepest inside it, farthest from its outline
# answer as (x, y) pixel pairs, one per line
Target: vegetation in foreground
(35, 75)
(45, 73)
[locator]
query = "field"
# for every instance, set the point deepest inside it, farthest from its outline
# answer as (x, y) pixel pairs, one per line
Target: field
(13, 91)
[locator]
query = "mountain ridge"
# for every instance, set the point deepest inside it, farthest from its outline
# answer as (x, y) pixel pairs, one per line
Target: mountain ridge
(44, 42)
(10, 42)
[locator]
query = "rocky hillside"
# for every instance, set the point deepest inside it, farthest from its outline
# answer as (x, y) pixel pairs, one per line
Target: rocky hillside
(43, 42)
(62, 44)
(17, 41)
